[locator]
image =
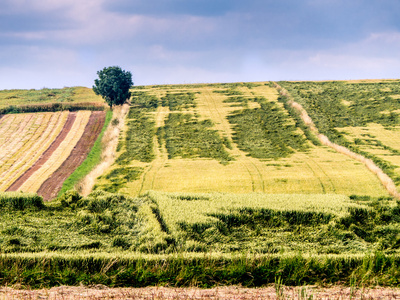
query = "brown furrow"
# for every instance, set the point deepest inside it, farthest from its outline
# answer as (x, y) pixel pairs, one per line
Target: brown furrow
(46, 154)
(50, 188)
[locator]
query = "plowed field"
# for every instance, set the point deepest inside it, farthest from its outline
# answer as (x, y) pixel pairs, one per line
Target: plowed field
(37, 145)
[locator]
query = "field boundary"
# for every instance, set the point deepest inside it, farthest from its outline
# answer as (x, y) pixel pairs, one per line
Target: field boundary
(52, 107)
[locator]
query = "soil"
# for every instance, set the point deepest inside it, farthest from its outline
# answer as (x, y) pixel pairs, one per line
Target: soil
(156, 293)
(46, 155)
(50, 188)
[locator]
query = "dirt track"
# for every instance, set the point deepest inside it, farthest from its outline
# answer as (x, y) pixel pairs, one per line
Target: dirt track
(46, 155)
(157, 293)
(50, 188)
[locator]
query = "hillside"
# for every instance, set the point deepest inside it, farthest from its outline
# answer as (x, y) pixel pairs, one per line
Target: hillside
(238, 183)
(229, 138)
(48, 139)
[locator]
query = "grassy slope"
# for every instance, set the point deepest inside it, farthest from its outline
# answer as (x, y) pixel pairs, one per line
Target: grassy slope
(318, 170)
(43, 96)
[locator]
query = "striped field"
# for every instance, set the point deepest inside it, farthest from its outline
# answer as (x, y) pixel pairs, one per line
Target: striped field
(318, 169)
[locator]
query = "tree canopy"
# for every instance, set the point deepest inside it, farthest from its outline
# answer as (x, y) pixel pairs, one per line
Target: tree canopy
(113, 85)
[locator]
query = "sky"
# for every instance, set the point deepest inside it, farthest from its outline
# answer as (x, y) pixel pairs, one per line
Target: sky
(57, 43)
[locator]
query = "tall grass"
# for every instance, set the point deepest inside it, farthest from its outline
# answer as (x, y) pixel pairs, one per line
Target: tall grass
(20, 201)
(266, 132)
(46, 269)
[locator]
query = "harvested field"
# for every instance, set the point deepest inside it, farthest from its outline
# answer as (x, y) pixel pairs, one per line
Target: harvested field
(18, 154)
(35, 145)
(46, 155)
(50, 188)
(158, 293)
(59, 155)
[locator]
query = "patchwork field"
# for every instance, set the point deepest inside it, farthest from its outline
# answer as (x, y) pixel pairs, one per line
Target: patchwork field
(256, 146)
(212, 184)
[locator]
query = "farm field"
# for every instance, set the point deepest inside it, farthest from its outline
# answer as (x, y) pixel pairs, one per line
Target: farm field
(268, 163)
(68, 95)
(362, 116)
(35, 146)
(212, 184)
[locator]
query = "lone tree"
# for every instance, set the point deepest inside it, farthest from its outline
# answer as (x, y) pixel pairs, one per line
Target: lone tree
(113, 85)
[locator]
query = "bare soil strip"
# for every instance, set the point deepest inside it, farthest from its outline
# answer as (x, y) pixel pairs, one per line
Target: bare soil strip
(161, 152)
(225, 293)
(46, 155)
(50, 188)
(386, 181)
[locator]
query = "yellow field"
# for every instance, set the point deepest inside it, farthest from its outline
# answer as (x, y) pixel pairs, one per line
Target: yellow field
(319, 170)
(66, 95)
(33, 184)
(25, 137)
(388, 137)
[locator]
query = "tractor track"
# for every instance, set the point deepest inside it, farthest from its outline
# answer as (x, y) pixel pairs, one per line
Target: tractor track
(257, 181)
(150, 175)
(385, 180)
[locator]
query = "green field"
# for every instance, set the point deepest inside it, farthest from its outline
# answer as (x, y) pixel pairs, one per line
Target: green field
(218, 184)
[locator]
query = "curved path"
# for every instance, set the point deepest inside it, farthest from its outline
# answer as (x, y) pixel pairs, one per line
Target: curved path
(386, 181)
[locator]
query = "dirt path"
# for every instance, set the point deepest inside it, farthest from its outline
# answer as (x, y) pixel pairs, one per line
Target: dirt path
(50, 188)
(149, 177)
(109, 143)
(46, 155)
(386, 181)
(221, 293)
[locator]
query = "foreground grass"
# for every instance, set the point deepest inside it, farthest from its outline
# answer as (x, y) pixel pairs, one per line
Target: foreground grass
(203, 240)
(39, 270)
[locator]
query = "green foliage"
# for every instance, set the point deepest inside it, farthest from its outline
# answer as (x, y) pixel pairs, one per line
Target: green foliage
(266, 132)
(144, 100)
(20, 201)
(138, 141)
(333, 105)
(179, 101)
(119, 177)
(187, 137)
(113, 85)
(50, 107)
(98, 240)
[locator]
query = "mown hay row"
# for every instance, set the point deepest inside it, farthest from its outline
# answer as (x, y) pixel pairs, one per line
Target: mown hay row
(59, 155)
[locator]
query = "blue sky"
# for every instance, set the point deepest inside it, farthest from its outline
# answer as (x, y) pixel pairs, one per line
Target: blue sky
(57, 43)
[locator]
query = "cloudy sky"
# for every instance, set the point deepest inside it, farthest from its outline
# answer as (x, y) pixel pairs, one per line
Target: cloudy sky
(57, 43)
